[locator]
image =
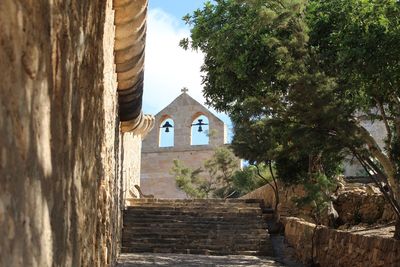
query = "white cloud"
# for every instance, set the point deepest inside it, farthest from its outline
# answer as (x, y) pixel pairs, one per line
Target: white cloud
(168, 67)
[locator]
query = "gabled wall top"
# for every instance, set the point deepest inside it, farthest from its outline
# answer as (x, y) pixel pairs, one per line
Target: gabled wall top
(183, 111)
(185, 102)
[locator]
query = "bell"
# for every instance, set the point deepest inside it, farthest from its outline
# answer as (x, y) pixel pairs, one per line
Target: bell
(200, 123)
(167, 125)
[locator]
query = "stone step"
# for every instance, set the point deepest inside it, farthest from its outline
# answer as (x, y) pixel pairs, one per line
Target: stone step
(187, 233)
(193, 212)
(203, 225)
(215, 203)
(195, 218)
(198, 240)
(192, 208)
(226, 237)
(267, 210)
(212, 226)
(173, 244)
(192, 251)
(189, 217)
(198, 212)
(193, 225)
(194, 230)
(201, 201)
(175, 225)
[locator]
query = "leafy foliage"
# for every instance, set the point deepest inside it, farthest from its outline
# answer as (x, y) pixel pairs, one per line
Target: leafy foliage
(190, 182)
(247, 180)
(295, 75)
(256, 65)
(223, 178)
(318, 197)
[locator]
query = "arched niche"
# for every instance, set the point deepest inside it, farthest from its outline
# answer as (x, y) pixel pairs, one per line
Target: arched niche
(166, 131)
(199, 130)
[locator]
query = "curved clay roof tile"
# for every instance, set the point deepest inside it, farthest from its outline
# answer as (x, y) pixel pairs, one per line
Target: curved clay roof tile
(130, 41)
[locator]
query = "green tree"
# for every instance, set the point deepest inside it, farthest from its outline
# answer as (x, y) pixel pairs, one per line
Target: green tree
(247, 179)
(190, 181)
(219, 177)
(220, 168)
(318, 197)
(357, 43)
(257, 70)
(295, 75)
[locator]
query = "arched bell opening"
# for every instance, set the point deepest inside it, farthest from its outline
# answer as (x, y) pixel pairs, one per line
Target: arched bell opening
(199, 130)
(166, 132)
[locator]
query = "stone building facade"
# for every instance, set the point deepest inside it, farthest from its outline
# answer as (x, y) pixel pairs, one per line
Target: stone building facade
(352, 167)
(71, 127)
(157, 161)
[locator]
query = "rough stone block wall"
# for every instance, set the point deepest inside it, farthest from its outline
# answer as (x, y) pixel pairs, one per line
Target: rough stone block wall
(286, 194)
(335, 248)
(183, 111)
(59, 193)
(157, 161)
(130, 168)
(156, 178)
(364, 204)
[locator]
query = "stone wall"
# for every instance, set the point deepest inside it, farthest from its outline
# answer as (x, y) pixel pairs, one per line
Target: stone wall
(354, 204)
(130, 167)
(286, 206)
(363, 204)
(59, 146)
(157, 161)
(335, 248)
(183, 111)
(156, 178)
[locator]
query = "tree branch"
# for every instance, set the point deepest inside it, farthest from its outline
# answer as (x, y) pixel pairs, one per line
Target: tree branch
(385, 121)
(388, 166)
(276, 185)
(274, 188)
(390, 199)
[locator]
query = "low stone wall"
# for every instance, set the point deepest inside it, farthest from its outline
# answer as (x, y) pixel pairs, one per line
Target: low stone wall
(335, 248)
(354, 204)
(286, 207)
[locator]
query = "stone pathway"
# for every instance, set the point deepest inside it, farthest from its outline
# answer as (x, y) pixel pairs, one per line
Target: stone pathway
(283, 253)
(190, 260)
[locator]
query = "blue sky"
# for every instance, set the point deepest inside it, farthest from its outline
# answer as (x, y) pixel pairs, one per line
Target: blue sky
(169, 68)
(176, 8)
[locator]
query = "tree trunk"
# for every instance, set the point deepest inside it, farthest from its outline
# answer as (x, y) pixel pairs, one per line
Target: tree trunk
(388, 167)
(397, 229)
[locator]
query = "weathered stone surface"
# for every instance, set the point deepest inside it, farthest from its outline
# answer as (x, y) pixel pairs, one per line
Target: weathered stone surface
(287, 207)
(182, 260)
(131, 145)
(156, 178)
(157, 161)
(60, 157)
(341, 249)
(354, 204)
(363, 205)
(208, 226)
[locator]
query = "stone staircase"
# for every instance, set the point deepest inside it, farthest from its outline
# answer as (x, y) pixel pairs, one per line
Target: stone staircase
(210, 226)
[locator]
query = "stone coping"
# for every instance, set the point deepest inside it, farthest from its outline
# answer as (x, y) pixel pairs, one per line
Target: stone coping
(180, 149)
